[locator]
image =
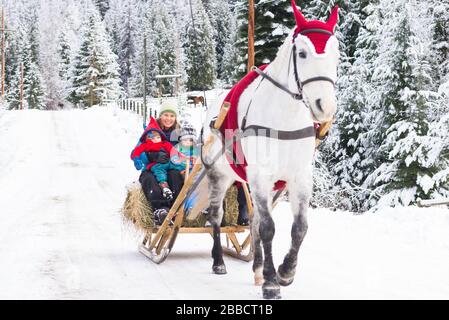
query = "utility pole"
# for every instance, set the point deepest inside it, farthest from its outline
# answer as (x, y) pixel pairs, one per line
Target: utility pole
(3, 51)
(251, 35)
(145, 80)
(21, 86)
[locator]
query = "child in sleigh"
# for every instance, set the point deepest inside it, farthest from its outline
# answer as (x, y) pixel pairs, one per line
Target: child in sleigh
(156, 141)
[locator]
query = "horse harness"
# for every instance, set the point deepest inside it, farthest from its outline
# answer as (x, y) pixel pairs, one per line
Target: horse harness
(256, 130)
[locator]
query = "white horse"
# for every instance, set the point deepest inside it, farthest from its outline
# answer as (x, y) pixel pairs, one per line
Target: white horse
(294, 91)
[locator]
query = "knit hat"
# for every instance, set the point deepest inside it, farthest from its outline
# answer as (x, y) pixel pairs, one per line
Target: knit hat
(187, 132)
(169, 106)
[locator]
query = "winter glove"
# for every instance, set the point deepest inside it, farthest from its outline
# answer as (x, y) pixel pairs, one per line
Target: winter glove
(159, 157)
(138, 163)
(144, 159)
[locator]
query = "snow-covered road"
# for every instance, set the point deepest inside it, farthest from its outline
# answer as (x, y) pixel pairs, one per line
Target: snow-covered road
(62, 183)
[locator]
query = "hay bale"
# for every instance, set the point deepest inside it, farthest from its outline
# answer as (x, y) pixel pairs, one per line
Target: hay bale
(136, 211)
(230, 207)
(200, 221)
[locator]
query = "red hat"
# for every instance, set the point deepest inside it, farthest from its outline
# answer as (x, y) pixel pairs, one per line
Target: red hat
(318, 39)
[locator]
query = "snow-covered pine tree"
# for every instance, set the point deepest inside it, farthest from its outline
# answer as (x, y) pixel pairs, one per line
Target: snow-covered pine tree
(165, 39)
(103, 7)
(95, 74)
(126, 49)
(199, 48)
(11, 56)
(440, 57)
(114, 20)
(164, 54)
(438, 157)
(440, 42)
(50, 28)
(351, 159)
(28, 48)
(13, 94)
(33, 91)
(223, 26)
(64, 52)
(402, 76)
(273, 21)
(230, 58)
(137, 67)
(233, 4)
(439, 112)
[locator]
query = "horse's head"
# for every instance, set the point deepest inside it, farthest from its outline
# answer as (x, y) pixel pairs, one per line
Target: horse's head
(316, 55)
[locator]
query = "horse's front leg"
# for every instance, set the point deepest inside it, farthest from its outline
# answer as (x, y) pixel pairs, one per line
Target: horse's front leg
(300, 203)
(262, 212)
(218, 185)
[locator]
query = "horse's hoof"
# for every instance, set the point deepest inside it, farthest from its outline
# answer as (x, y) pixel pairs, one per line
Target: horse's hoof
(271, 290)
(220, 269)
(271, 293)
(283, 281)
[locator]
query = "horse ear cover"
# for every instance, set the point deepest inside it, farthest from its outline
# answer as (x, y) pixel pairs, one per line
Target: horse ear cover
(300, 20)
(333, 18)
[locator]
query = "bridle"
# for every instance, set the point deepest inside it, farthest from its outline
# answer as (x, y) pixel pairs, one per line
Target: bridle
(300, 84)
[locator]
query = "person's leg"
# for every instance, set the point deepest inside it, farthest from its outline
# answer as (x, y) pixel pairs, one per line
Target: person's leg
(243, 218)
(175, 181)
(152, 190)
(177, 166)
(160, 171)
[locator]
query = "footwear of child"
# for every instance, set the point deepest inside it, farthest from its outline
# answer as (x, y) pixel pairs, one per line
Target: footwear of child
(160, 215)
(166, 192)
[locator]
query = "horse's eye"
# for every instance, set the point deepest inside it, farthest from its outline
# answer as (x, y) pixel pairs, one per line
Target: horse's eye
(302, 54)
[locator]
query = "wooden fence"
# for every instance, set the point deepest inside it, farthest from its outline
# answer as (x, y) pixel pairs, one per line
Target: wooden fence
(137, 107)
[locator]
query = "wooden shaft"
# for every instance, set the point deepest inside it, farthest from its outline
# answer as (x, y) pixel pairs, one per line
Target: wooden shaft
(186, 175)
(323, 130)
(222, 115)
(250, 36)
(246, 242)
(248, 199)
(235, 242)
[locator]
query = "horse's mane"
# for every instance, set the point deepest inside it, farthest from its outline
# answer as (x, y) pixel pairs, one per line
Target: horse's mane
(283, 53)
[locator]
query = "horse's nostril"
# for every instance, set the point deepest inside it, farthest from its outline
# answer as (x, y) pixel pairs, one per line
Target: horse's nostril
(318, 104)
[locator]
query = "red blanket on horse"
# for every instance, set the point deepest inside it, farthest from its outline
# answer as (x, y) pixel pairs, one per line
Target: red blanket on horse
(230, 124)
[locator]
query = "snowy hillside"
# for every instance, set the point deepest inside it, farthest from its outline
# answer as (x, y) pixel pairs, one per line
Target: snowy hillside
(62, 182)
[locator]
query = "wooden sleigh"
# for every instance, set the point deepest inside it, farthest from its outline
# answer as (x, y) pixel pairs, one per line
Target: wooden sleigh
(159, 240)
